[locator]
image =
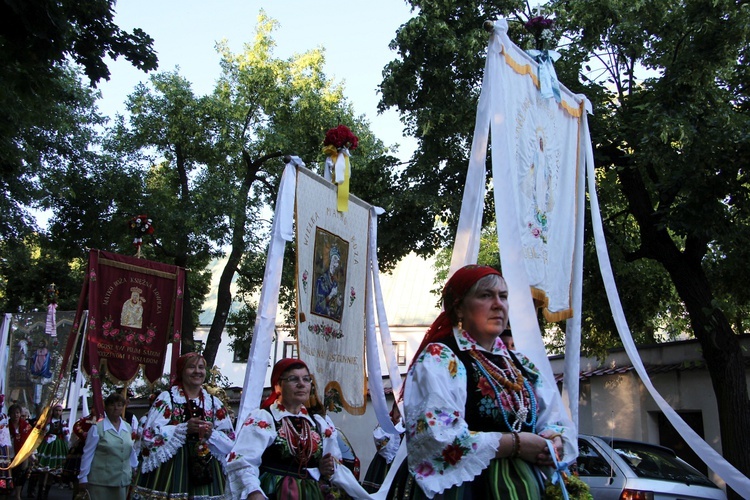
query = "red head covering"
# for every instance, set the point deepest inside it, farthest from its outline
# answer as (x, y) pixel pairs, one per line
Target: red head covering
(453, 293)
(279, 368)
(182, 362)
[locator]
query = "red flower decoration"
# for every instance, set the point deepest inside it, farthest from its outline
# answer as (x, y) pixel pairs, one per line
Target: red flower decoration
(341, 137)
(435, 349)
(263, 424)
(452, 454)
(141, 224)
(484, 387)
(328, 432)
(221, 413)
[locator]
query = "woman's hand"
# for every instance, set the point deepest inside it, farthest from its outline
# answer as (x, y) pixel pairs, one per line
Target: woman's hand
(556, 439)
(327, 466)
(256, 495)
(199, 426)
(534, 449)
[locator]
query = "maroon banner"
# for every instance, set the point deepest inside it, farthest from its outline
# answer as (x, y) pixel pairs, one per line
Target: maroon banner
(135, 308)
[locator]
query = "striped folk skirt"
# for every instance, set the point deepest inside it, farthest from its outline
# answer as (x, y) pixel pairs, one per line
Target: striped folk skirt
(172, 480)
(502, 479)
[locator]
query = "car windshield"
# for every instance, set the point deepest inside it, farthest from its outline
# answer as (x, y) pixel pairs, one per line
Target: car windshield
(346, 449)
(652, 462)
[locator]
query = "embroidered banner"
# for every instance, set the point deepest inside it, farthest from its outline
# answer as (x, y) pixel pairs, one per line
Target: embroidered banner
(331, 287)
(135, 308)
(543, 157)
(35, 360)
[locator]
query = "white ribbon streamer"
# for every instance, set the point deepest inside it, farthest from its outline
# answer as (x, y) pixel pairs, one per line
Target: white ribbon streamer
(733, 477)
(282, 231)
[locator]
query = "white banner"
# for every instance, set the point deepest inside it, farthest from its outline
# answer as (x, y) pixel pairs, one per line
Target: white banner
(331, 287)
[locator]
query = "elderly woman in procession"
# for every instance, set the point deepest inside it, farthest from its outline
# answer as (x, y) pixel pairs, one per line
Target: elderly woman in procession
(109, 458)
(186, 437)
(477, 425)
(284, 451)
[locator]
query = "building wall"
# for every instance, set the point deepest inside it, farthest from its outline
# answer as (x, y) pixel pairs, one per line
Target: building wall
(618, 404)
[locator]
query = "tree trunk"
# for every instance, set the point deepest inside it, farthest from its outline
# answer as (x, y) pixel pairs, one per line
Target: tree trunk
(721, 348)
(224, 293)
(187, 343)
(724, 360)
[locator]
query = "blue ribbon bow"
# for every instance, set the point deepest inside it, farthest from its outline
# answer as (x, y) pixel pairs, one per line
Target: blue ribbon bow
(560, 468)
(548, 82)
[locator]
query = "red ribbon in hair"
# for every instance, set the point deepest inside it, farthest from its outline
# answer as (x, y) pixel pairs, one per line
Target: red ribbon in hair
(279, 368)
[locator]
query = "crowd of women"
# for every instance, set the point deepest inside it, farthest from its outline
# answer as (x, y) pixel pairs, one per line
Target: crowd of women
(474, 421)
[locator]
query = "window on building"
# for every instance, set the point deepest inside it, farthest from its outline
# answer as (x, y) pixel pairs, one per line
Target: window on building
(199, 345)
(400, 349)
(240, 355)
(290, 349)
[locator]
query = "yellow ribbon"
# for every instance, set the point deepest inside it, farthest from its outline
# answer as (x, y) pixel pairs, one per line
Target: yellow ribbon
(335, 156)
(33, 441)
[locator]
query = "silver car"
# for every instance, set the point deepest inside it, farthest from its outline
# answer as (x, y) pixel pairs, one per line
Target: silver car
(620, 469)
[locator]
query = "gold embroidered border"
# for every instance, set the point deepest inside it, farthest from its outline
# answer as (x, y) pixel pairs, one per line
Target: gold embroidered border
(526, 69)
(139, 269)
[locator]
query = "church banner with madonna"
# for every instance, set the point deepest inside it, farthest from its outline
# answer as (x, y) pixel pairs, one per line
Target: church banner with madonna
(135, 309)
(331, 282)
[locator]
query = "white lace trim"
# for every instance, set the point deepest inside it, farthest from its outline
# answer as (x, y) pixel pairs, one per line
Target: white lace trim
(471, 465)
(158, 456)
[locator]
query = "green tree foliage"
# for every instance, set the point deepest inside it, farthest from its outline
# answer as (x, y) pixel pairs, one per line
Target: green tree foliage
(676, 143)
(274, 107)
(41, 98)
(170, 138)
(49, 142)
(670, 148)
(214, 162)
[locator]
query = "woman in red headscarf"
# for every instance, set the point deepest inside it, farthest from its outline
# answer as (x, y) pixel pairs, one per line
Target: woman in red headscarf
(186, 437)
(476, 424)
(282, 450)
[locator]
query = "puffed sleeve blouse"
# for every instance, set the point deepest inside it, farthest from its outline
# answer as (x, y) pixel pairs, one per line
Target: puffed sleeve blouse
(165, 429)
(258, 432)
(442, 451)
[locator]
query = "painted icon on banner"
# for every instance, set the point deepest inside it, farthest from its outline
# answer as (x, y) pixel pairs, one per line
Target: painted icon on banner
(329, 275)
(132, 309)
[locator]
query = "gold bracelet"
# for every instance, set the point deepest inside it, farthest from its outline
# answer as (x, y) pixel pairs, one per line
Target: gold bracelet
(553, 436)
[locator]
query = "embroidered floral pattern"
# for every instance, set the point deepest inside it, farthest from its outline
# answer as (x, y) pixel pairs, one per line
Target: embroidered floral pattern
(328, 332)
(128, 335)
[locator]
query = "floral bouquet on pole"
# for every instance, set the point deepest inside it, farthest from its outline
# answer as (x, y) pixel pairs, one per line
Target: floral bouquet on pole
(339, 141)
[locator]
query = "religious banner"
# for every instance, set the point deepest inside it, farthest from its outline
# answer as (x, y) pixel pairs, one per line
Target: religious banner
(542, 136)
(331, 287)
(135, 308)
(36, 360)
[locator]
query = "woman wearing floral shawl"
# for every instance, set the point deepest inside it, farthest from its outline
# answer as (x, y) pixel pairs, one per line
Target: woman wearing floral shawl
(185, 440)
(475, 425)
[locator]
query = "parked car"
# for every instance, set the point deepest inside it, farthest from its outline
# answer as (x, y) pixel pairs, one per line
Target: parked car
(620, 469)
(348, 457)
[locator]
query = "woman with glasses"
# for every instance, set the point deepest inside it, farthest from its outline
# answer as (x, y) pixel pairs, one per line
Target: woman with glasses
(282, 450)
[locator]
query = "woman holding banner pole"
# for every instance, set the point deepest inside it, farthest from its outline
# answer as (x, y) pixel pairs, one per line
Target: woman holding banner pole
(476, 424)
